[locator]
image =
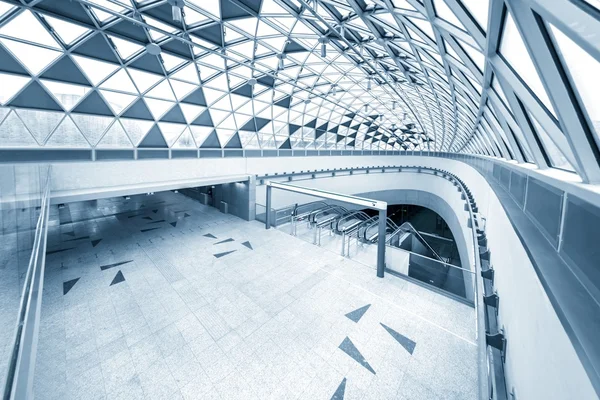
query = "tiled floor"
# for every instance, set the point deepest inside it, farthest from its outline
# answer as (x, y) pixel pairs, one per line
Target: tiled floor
(182, 311)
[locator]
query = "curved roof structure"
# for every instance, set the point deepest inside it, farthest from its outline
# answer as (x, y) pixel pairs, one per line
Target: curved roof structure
(512, 79)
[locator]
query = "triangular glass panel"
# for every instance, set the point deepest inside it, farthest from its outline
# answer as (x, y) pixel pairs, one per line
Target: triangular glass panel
(115, 137)
(174, 115)
(40, 123)
(190, 111)
(558, 156)
(200, 133)
(121, 82)
(97, 47)
(144, 80)
(35, 96)
(196, 97)
(513, 49)
(185, 141)
(93, 104)
(187, 74)
(95, 70)
(65, 70)
(26, 27)
(8, 63)
(125, 48)
(171, 131)
(14, 134)
(224, 134)
(136, 129)
(154, 139)
(10, 85)
(162, 91)
(66, 31)
(68, 95)
(218, 116)
(34, 58)
(67, 135)
(211, 142)
(171, 62)
(158, 107)
(91, 126)
(117, 101)
(181, 89)
(479, 10)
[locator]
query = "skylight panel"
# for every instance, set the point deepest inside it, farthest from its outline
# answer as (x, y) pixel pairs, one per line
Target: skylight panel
(171, 62)
(191, 111)
(10, 85)
(443, 11)
(26, 26)
(67, 95)
(120, 81)
(270, 7)
(265, 30)
(192, 17)
(125, 48)
(246, 25)
(144, 80)
(181, 89)
(171, 131)
(158, 107)
(513, 49)
(117, 101)
(154, 33)
(162, 91)
(479, 10)
(34, 58)
(95, 70)
(68, 32)
(211, 7)
(5, 8)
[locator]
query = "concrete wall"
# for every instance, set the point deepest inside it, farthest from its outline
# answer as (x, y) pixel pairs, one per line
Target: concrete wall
(239, 196)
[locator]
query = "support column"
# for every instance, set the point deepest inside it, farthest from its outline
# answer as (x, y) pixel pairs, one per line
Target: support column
(268, 208)
(381, 243)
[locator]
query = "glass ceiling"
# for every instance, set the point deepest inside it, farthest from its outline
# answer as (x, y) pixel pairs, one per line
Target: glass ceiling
(267, 74)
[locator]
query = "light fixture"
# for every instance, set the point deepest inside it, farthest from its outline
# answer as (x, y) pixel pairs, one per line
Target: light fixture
(334, 89)
(366, 108)
(176, 8)
(393, 105)
(153, 49)
(281, 57)
(369, 84)
(323, 40)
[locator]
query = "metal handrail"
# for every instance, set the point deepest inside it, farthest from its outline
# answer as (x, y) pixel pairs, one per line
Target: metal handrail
(356, 214)
(389, 223)
(411, 228)
(332, 207)
(19, 379)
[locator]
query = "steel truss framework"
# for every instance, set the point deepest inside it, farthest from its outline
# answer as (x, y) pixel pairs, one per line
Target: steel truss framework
(497, 77)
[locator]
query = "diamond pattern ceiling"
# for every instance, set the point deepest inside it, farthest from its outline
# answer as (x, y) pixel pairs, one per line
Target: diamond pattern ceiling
(231, 74)
(289, 74)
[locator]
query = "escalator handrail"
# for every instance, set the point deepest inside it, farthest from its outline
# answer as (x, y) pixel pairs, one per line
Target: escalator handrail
(297, 207)
(351, 214)
(330, 207)
(391, 225)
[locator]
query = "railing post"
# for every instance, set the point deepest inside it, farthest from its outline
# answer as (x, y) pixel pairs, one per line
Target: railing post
(381, 243)
(268, 207)
(343, 243)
